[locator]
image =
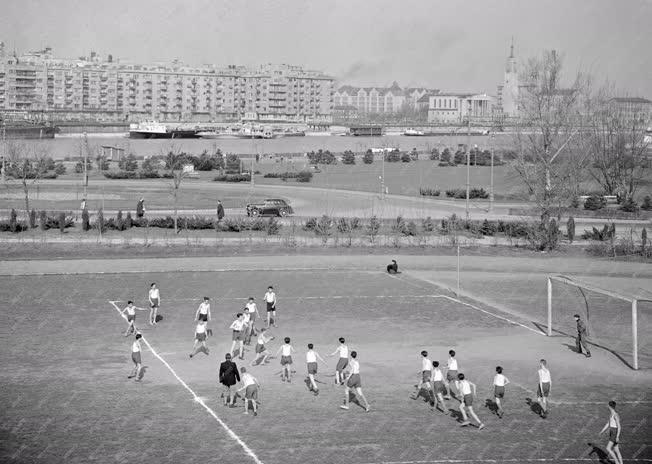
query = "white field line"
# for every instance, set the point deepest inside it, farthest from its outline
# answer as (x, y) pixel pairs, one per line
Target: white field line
(222, 269)
(293, 297)
(197, 399)
(534, 398)
(482, 461)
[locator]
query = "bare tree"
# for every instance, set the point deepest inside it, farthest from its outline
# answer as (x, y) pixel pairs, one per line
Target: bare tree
(174, 162)
(548, 140)
(617, 144)
(26, 165)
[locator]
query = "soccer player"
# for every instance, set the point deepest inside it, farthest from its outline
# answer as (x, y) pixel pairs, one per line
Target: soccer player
(393, 267)
(353, 382)
(204, 313)
(311, 359)
(286, 351)
(237, 326)
(154, 303)
(270, 299)
(343, 351)
(261, 351)
(543, 389)
(250, 385)
(426, 377)
(252, 309)
(200, 339)
(438, 387)
(499, 390)
(451, 373)
(580, 341)
(130, 309)
(467, 390)
(229, 376)
(135, 357)
(246, 324)
(613, 424)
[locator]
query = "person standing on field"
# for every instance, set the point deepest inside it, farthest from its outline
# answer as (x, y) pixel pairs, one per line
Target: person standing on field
(140, 208)
(229, 376)
(613, 425)
(270, 300)
(580, 341)
(220, 210)
(154, 303)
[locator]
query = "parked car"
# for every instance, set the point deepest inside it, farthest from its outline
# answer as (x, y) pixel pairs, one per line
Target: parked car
(270, 207)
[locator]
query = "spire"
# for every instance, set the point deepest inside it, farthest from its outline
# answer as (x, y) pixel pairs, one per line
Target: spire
(511, 49)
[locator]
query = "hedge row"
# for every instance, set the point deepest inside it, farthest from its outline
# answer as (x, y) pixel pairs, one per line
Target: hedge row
(300, 176)
(41, 220)
(233, 178)
(136, 175)
(461, 193)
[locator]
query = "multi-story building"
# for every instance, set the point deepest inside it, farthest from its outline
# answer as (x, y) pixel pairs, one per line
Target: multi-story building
(107, 90)
(508, 91)
(635, 109)
(456, 108)
(378, 99)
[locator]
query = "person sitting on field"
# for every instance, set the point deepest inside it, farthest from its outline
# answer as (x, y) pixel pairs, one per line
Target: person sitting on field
(393, 267)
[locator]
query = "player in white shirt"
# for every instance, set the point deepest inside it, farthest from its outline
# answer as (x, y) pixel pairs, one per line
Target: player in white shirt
(204, 313)
(270, 300)
(614, 427)
(200, 339)
(425, 377)
(311, 359)
(261, 350)
(246, 325)
(252, 309)
(543, 389)
(467, 391)
(286, 351)
(342, 362)
(135, 357)
(438, 387)
(154, 303)
(353, 382)
(451, 374)
(250, 385)
(237, 327)
(130, 310)
(499, 390)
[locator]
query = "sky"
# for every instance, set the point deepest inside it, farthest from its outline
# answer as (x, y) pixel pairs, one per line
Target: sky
(454, 45)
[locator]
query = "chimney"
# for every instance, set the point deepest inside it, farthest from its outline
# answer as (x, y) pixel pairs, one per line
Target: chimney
(110, 58)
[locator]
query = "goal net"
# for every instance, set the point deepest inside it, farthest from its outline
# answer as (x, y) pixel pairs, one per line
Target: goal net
(617, 322)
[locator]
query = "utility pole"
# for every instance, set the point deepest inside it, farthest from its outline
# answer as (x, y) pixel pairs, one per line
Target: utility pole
(85, 165)
(491, 173)
(468, 158)
(4, 151)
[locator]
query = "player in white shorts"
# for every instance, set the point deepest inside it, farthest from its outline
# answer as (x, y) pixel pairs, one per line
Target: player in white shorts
(154, 303)
(438, 387)
(286, 351)
(311, 359)
(135, 357)
(200, 339)
(204, 313)
(425, 377)
(353, 382)
(270, 301)
(499, 390)
(543, 389)
(237, 335)
(130, 310)
(250, 386)
(342, 362)
(466, 390)
(252, 309)
(261, 350)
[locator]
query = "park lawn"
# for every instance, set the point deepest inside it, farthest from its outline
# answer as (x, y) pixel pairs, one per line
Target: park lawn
(66, 391)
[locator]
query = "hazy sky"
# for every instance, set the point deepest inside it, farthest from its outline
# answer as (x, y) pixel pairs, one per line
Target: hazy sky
(451, 45)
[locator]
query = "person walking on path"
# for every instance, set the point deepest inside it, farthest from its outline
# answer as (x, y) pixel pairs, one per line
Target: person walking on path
(580, 341)
(229, 376)
(220, 210)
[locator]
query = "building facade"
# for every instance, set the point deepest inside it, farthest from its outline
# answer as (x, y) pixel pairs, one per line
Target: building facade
(104, 90)
(456, 108)
(378, 99)
(637, 110)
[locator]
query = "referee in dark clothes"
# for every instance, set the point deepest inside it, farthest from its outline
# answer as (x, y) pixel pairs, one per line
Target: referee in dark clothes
(580, 341)
(229, 376)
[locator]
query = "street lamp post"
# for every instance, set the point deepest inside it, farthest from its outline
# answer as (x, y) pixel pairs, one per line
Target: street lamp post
(491, 173)
(468, 158)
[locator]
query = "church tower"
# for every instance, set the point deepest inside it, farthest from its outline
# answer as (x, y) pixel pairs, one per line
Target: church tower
(510, 86)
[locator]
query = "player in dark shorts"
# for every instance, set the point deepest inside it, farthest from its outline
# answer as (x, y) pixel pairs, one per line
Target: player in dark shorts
(354, 383)
(200, 339)
(270, 300)
(135, 357)
(154, 302)
(499, 390)
(286, 351)
(261, 351)
(614, 427)
(467, 391)
(311, 359)
(130, 310)
(229, 376)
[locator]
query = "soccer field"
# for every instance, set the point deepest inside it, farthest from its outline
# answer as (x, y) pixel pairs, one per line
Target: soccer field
(66, 397)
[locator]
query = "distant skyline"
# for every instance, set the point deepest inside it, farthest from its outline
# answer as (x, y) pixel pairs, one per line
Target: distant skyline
(457, 46)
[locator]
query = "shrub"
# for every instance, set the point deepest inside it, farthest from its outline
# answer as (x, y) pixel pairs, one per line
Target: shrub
(406, 158)
(99, 221)
(445, 156)
(629, 205)
(643, 239)
(373, 228)
(43, 220)
(62, 222)
(595, 202)
(310, 224)
(79, 167)
(324, 226)
(348, 225)
(570, 229)
(368, 157)
(86, 224)
(429, 192)
(322, 157)
(605, 234)
(272, 226)
(121, 175)
(300, 176)
(399, 226)
(460, 157)
(129, 222)
(434, 155)
(427, 224)
(13, 221)
(348, 157)
(59, 169)
(552, 235)
(647, 203)
(410, 229)
(575, 202)
(393, 156)
(119, 222)
(477, 193)
(32, 219)
(233, 178)
(488, 228)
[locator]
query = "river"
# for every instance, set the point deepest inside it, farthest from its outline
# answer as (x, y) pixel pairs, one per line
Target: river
(70, 145)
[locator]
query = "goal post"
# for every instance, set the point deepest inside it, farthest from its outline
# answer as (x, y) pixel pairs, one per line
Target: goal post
(612, 319)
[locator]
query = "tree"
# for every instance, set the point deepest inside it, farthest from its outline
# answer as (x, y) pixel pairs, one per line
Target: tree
(393, 156)
(414, 155)
(434, 155)
(460, 157)
(445, 156)
(26, 165)
(368, 157)
(406, 158)
(149, 165)
(232, 164)
(570, 229)
(348, 157)
(101, 162)
(128, 163)
(174, 163)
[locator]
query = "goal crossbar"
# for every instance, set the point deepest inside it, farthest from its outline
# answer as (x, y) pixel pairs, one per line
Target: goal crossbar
(583, 286)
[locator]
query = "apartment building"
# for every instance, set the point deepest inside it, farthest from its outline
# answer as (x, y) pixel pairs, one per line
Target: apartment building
(378, 99)
(104, 90)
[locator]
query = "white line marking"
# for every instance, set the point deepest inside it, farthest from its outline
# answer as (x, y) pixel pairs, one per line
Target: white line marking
(435, 461)
(534, 398)
(196, 398)
(294, 297)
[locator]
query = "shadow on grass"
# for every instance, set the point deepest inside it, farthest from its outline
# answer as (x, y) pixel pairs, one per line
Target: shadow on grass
(601, 454)
(535, 407)
(491, 405)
